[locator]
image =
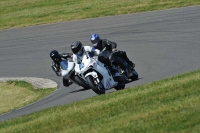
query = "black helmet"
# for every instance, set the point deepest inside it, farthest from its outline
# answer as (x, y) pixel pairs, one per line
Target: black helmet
(95, 38)
(55, 55)
(76, 47)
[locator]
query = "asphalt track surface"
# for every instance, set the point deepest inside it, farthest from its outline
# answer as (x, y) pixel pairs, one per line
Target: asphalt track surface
(161, 44)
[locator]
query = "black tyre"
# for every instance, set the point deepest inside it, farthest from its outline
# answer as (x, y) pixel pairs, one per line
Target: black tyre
(66, 82)
(121, 83)
(80, 82)
(135, 75)
(96, 88)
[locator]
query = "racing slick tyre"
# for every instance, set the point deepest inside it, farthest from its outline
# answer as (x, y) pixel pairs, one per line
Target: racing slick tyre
(66, 82)
(97, 88)
(80, 82)
(135, 75)
(121, 83)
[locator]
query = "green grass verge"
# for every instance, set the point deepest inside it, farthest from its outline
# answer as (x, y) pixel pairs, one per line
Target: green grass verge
(20, 13)
(171, 105)
(16, 94)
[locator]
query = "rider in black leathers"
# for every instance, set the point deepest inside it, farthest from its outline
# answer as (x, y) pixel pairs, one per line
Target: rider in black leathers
(57, 58)
(118, 57)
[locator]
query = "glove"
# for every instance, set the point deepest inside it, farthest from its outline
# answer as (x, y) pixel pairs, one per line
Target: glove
(114, 50)
(66, 55)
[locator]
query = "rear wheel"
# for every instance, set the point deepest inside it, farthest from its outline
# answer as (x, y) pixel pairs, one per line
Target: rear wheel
(97, 88)
(135, 75)
(121, 83)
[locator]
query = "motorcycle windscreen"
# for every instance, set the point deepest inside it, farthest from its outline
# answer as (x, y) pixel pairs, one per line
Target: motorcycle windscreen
(83, 66)
(66, 67)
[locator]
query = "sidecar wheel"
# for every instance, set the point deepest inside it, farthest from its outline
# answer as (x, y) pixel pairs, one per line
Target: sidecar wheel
(94, 87)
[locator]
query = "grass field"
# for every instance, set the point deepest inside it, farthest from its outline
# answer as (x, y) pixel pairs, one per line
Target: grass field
(20, 13)
(16, 94)
(167, 106)
(171, 105)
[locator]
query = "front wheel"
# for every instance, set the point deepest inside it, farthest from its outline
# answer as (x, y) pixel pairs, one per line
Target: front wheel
(66, 82)
(80, 82)
(97, 88)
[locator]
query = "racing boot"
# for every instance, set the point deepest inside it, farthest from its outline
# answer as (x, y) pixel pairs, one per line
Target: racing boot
(124, 56)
